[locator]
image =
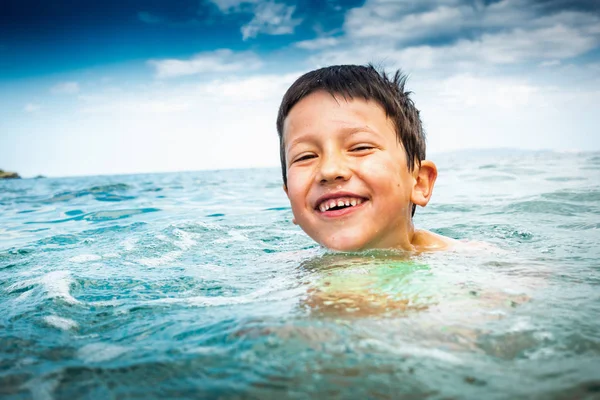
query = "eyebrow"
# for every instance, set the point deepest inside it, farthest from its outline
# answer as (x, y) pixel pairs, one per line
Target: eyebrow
(349, 131)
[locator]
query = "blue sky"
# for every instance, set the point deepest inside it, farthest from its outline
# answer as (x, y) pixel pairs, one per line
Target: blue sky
(107, 87)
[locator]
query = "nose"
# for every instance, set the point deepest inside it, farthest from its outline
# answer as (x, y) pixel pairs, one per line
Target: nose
(333, 168)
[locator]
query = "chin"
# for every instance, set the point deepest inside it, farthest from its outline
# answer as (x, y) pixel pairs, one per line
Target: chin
(343, 244)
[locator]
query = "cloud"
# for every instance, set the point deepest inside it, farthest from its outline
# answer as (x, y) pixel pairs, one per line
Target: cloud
(318, 43)
(419, 22)
(142, 106)
(260, 87)
(550, 63)
(468, 91)
(211, 94)
(272, 19)
(31, 107)
(200, 99)
(227, 6)
(450, 36)
(222, 60)
(65, 88)
(269, 17)
(515, 47)
(397, 20)
(470, 111)
(519, 45)
(230, 122)
(219, 123)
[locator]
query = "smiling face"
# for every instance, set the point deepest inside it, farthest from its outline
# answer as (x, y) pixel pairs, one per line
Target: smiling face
(347, 176)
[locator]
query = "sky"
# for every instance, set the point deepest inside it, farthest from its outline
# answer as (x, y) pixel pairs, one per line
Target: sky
(136, 86)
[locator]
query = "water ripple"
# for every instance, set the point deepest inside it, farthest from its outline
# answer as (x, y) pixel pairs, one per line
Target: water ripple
(219, 295)
(100, 216)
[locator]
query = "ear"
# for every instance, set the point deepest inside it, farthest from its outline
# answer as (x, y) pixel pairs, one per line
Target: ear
(285, 189)
(425, 177)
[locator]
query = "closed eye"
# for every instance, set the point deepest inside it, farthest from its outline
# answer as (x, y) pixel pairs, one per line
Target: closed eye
(304, 158)
(362, 147)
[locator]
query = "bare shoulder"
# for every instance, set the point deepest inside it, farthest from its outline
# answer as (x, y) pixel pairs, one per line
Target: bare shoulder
(425, 241)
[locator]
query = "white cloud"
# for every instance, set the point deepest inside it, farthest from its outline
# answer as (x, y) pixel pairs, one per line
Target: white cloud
(550, 63)
(376, 20)
(271, 18)
(65, 88)
(224, 123)
(470, 111)
(138, 105)
(168, 99)
(505, 32)
(261, 87)
(31, 107)
(468, 91)
(514, 47)
(551, 42)
(505, 77)
(318, 43)
(554, 42)
(223, 60)
(230, 122)
(227, 6)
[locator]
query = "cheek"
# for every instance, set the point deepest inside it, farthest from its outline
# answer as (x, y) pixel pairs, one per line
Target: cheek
(297, 188)
(382, 172)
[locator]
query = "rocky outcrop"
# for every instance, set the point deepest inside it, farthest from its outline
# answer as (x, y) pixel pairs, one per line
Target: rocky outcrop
(8, 175)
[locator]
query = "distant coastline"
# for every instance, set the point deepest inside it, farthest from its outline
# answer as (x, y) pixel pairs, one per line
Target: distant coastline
(9, 175)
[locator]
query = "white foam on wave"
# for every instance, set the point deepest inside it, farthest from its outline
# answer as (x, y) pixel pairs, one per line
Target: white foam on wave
(99, 352)
(129, 243)
(186, 239)
(203, 350)
(207, 271)
(205, 301)
(234, 236)
(55, 284)
(166, 258)
(85, 258)
(413, 351)
(106, 303)
(111, 255)
(522, 324)
(64, 324)
(185, 243)
(274, 290)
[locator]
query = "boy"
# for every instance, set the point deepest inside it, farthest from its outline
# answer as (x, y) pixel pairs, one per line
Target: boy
(353, 160)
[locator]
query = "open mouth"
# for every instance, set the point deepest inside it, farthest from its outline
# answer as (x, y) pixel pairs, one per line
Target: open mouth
(339, 203)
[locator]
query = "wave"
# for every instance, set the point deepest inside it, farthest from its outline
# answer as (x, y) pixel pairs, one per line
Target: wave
(101, 216)
(53, 285)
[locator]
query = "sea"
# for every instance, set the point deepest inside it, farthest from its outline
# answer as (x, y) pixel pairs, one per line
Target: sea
(197, 285)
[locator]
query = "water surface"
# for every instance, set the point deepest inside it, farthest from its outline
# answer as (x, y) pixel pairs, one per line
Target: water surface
(198, 285)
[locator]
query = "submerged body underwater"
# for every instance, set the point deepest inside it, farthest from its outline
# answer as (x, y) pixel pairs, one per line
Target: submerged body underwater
(198, 285)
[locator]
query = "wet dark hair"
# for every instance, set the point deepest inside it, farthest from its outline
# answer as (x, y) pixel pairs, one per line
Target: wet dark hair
(362, 82)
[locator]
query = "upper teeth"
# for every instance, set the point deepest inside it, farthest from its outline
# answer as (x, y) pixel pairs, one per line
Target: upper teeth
(345, 201)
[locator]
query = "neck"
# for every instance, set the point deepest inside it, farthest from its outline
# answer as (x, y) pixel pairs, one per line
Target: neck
(402, 240)
(409, 237)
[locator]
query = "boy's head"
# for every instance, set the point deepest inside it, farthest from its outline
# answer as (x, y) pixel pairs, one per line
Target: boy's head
(352, 147)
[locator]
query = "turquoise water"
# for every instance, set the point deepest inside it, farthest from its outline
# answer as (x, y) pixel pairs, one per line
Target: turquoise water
(197, 285)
